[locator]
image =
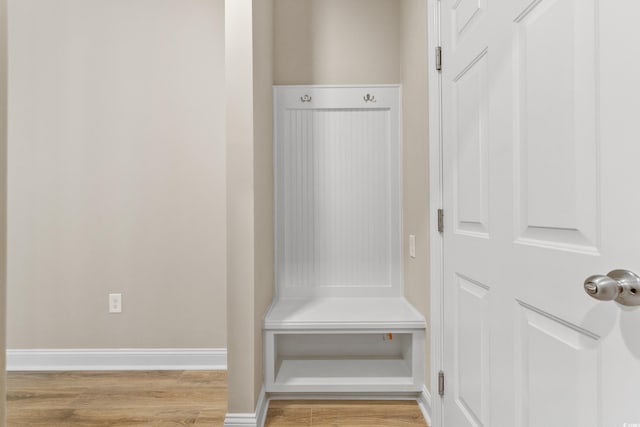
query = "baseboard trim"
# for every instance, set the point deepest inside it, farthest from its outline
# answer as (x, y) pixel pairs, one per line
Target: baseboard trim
(345, 396)
(424, 403)
(108, 359)
(254, 419)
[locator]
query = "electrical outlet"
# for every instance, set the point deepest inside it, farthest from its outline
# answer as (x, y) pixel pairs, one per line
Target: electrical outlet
(412, 246)
(115, 303)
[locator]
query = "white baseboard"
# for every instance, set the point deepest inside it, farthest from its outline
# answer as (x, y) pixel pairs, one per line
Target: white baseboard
(424, 403)
(254, 419)
(345, 396)
(107, 359)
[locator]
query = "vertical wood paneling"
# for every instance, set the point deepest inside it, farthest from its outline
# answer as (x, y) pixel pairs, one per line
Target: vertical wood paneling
(336, 202)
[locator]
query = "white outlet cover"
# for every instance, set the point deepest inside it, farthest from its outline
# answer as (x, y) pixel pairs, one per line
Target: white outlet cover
(412, 246)
(115, 303)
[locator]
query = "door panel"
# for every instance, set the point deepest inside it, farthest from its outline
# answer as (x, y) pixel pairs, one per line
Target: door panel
(471, 114)
(465, 14)
(555, 101)
(555, 359)
(472, 350)
(467, 131)
(540, 157)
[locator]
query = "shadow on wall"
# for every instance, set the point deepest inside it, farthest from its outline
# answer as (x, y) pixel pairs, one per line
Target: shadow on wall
(337, 42)
(293, 33)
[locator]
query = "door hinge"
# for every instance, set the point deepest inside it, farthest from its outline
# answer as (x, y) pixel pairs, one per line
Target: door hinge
(439, 58)
(440, 221)
(441, 383)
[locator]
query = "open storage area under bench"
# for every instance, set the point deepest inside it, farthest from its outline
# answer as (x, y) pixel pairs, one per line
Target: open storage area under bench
(335, 345)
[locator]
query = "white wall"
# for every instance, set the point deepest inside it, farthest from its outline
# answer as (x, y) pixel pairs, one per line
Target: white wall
(337, 41)
(3, 198)
(263, 65)
(240, 206)
(249, 62)
(415, 159)
(116, 173)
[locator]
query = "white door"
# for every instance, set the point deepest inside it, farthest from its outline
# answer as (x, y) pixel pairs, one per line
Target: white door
(541, 189)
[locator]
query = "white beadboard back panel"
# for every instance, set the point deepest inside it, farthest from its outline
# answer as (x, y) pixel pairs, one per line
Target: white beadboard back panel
(338, 189)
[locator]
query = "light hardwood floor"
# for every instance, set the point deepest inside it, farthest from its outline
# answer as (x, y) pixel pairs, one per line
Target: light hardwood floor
(171, 398)
(341, 413)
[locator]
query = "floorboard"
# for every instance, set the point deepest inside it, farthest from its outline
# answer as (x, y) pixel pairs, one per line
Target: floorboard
(172, 398)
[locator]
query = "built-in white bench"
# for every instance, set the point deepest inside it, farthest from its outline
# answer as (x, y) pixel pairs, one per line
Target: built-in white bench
(340, 323)
(338, 345)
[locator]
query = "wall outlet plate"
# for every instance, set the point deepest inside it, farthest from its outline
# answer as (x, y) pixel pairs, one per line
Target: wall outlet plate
(412, 246)
(115, 303)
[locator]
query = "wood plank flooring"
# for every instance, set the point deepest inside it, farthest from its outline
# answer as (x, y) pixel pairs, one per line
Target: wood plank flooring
(128, 398)
(295, 413)
(171, 398)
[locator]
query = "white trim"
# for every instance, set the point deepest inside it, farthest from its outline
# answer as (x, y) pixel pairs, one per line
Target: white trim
(241, 420)
(435, 202)
(424, 403)
(253, 419)
(359, 86)
(262, 407)
(110, 359)
(345, 396)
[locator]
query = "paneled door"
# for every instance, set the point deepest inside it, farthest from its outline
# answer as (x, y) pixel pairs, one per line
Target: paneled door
(541, 189)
